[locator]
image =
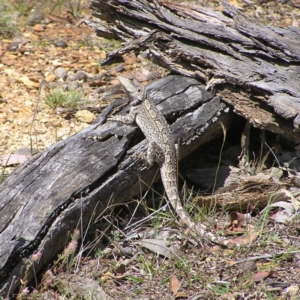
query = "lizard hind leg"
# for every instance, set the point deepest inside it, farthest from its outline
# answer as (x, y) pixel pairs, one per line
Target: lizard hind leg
(155, 154)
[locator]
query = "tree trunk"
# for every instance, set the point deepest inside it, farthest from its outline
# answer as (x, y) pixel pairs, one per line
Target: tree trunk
(254, 68)
(61, 189)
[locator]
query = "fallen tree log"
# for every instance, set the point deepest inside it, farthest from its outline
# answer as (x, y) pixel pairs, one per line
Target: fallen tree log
(254, 68)
(46, 198)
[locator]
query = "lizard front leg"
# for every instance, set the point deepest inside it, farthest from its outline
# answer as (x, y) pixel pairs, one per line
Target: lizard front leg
(128, 119)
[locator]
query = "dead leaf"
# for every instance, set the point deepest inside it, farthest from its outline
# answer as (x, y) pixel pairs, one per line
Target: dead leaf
(243, 240)
(295, 22)
(285, 210)
(107, 276)
(294, 201)
(121, 269)
(58, 19)
(175, 284)
(260, 276)
(38, 27)
(291, 291)
(180, 295)
(216, 248)
(161, 247)
(8, 61)
(235, 3)
(228, 252)
(237, 221)
(219, 227)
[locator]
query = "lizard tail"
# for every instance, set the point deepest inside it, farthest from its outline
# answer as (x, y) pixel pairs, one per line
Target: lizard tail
(170, 184)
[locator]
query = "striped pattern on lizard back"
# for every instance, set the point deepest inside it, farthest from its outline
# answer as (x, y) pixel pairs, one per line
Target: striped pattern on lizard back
(156, 129)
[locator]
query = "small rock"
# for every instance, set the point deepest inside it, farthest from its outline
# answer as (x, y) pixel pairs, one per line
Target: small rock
(71, 75)
(81, 75)
(35, 17)
(61, 44)
(115, 82)
(50, 77)
(61, 72)
(15, 109)
(247, 266)
(38, 27)
(13, 46)
(28, 82)
(85, 116)
(56, 62)
(129, 59)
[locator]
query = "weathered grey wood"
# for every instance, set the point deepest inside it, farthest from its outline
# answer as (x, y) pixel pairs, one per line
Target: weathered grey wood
(253, 67)
(46, 198)
(255, 190)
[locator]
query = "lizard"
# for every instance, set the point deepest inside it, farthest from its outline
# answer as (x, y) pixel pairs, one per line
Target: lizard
(161, 146)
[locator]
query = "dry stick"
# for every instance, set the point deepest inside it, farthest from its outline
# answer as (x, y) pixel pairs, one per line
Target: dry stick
(34, 116)
(271, 150)
(11, 284)
(220, 156)
(265, 256)
(244, 157)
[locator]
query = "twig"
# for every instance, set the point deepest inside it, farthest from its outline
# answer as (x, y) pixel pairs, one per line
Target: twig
(264, 256)
(34, 117)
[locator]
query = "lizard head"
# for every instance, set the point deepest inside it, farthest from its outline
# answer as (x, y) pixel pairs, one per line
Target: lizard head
(135, 91)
